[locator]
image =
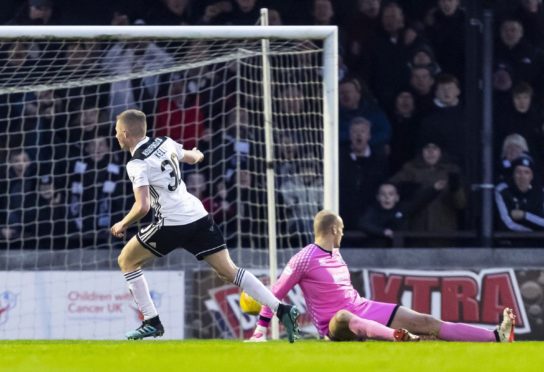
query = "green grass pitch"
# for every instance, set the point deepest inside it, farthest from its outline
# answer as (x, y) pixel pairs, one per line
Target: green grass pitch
(278, 356)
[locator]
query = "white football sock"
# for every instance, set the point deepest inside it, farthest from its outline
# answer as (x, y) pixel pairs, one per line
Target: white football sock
(253, 287)
(140, 292)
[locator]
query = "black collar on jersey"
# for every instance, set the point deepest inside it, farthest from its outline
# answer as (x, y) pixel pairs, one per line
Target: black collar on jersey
(148, 148)
(323, 249)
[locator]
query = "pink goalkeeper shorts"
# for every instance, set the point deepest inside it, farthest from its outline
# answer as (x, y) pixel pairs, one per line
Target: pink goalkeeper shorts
(381, 312)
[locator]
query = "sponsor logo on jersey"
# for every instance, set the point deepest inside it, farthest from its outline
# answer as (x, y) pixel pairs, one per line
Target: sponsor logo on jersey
(153, 146)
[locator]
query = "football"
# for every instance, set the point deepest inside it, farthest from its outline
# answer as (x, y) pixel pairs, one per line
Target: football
(249, 305)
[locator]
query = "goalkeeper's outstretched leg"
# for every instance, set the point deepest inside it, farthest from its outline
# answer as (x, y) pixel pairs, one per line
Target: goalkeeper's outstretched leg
(346, 326)
(424, 324)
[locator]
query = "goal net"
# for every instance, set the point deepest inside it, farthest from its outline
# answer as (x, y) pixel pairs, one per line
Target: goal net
(64, 182)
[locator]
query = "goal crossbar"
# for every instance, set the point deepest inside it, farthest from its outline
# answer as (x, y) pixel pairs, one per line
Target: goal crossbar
(188, 32)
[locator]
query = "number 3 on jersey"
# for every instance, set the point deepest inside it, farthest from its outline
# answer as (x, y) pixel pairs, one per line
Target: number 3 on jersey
(175, 173)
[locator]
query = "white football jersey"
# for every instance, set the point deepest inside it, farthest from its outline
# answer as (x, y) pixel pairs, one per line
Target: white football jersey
(155, 163)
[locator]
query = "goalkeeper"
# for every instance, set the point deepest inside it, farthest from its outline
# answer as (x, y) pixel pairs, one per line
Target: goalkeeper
(340, 314)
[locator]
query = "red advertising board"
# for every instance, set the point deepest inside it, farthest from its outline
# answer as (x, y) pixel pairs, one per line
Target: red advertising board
(468, 296)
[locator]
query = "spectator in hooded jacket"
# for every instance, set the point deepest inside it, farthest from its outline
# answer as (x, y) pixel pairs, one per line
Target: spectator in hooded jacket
(429, 167)
(520, 203)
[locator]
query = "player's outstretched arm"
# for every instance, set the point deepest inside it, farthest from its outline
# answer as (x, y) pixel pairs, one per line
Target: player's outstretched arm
(141, 206)
(193, 156)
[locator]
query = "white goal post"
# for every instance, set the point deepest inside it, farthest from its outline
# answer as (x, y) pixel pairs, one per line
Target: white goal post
(234, 50)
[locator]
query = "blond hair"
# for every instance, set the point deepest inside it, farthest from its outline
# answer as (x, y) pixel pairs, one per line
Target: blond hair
(514, 139)
(135, 122)
(324, 220)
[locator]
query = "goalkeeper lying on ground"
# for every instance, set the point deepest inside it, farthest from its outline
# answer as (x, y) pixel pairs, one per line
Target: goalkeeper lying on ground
(341, 314)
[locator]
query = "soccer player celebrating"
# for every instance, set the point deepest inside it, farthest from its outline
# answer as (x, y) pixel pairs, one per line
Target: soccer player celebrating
(181, 221)
(341, 314)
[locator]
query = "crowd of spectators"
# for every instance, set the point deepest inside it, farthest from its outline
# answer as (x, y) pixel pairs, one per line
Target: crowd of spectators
(402, 122)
